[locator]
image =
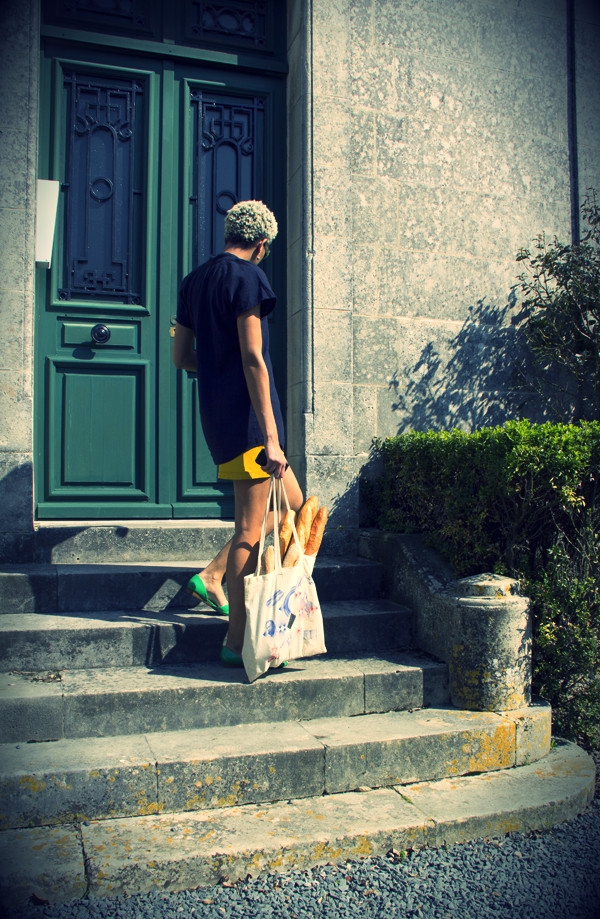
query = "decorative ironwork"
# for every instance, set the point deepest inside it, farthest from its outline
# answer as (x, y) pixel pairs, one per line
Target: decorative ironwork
(230, 124)
(243, 21)
(103, 206)
(228, 139)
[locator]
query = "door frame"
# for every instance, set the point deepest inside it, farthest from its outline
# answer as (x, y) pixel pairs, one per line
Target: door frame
(161, 242)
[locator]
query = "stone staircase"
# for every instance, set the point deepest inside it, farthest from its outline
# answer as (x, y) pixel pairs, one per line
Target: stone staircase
(131, 761)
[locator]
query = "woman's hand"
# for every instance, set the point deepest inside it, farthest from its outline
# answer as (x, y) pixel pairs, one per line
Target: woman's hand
(275, 461)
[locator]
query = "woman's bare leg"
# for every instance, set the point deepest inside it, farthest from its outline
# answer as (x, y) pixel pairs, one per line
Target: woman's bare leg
(214, 574)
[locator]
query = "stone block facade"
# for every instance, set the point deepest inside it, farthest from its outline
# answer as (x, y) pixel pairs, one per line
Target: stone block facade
(437, 140)
(19, 38)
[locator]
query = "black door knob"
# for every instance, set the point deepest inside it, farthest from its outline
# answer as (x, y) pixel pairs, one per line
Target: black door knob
(100, 334)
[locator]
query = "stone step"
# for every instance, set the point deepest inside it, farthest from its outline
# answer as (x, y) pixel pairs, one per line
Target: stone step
(103, 702)
(94, 542)
(34, 642)
(174, 771)
(167, 852)
(152, 586)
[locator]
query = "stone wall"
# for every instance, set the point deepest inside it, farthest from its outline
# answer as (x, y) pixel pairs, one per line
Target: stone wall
(18, 160)
(436, 143)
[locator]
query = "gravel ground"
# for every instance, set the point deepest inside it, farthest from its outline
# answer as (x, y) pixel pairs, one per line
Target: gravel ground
(551, 875)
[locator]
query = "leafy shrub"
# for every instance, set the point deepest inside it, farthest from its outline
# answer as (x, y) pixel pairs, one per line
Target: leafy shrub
(566, 654)
(523, 499)
(492, 499)
(560, 319)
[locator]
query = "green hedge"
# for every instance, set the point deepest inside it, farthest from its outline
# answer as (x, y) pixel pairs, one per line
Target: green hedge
(521, 499)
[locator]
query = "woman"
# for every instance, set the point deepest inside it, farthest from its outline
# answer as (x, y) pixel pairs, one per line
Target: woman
(223, 306)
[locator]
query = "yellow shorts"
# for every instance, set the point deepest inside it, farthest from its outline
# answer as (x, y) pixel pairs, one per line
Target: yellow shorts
(243, 466)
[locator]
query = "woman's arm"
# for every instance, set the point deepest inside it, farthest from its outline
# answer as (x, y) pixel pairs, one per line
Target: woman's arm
(259, 388)
(183, 354)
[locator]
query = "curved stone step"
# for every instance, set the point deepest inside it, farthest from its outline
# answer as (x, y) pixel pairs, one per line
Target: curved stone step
(177, 851)
(94, 778)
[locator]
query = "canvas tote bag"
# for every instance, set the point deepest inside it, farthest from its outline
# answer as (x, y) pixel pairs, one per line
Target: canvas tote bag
(283, 615)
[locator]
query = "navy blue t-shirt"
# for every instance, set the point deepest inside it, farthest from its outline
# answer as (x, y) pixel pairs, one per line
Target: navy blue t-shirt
(210, 299)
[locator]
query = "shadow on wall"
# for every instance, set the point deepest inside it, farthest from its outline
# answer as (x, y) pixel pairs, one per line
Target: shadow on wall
(482, 377)
(480, 385)
(19, 544)
(476, 379)
(16, 501)
(341, 534)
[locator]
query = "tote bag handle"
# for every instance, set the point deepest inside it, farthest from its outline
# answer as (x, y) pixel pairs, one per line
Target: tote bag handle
(274, 503)
(276, 490)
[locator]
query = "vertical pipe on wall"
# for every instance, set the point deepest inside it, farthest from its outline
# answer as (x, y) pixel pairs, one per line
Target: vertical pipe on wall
(572, 123)
(307, 217)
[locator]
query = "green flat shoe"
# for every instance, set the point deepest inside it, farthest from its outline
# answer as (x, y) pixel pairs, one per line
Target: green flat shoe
(230, 658)
(197, 589)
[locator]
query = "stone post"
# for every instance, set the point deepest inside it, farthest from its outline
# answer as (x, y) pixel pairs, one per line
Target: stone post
(489, 643)
(479, 626)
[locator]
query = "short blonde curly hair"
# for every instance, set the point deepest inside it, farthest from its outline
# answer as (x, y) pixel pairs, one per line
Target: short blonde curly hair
(247, 222)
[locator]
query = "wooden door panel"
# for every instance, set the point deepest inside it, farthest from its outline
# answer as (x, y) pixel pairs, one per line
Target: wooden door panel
(100, 419)
(97, 433)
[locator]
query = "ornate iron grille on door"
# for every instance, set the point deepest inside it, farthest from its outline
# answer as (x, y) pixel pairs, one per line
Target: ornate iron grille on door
(103, 190)
(244, 21)
(229, 136)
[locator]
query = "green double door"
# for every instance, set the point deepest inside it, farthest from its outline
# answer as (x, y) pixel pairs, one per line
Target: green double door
(150, 152)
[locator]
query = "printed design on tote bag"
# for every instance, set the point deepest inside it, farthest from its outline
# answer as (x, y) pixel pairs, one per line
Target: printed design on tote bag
(288, 607)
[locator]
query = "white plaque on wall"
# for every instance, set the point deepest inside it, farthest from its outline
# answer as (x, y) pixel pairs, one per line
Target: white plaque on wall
(47, 202)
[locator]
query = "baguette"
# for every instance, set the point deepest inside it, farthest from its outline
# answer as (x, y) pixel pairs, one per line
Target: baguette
(316, 532)
(268, 560)
(305, 518)
(292, 556)
(285, 531)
